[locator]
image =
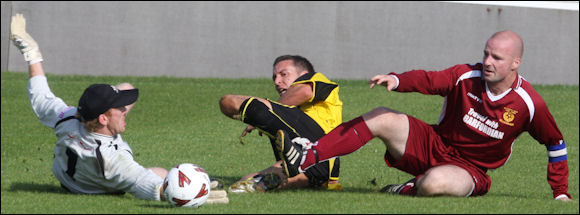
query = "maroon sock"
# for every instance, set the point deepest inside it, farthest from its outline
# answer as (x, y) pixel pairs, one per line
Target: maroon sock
(408, 190)
(411, 189)
(342, 140)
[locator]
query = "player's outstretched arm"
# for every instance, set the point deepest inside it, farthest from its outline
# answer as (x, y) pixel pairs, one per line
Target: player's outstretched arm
(26, 44)
(44, 103)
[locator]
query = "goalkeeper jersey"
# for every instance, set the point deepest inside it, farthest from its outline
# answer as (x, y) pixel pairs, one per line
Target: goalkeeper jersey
(86, 162)
(483, 126)
(325, 106)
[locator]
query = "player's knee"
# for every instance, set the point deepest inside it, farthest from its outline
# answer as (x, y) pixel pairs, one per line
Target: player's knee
(226, 100)
(440, 181)
(431, 185)
(383, 119)
(227, 105)
(388, 116)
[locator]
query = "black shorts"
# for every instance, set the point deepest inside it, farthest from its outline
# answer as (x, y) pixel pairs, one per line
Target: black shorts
(297, 124)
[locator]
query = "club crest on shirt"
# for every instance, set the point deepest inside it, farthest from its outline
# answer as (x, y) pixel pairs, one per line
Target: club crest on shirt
(508, 116)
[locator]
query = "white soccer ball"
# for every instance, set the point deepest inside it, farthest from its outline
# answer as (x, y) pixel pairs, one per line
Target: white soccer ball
(186, 185)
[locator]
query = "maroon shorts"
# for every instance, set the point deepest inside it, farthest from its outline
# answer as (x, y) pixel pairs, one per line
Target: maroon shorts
(425, 149)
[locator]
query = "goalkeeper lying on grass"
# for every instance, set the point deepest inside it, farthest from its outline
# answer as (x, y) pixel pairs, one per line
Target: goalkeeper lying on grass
(90, 156)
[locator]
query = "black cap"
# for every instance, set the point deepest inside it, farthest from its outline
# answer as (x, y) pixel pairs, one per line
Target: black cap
(99, 98)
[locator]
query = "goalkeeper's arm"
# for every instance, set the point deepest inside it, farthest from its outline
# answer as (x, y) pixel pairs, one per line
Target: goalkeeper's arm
(26, 44)
(23, 41)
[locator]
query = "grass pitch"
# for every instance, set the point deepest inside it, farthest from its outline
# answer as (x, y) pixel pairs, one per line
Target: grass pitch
(178, 120)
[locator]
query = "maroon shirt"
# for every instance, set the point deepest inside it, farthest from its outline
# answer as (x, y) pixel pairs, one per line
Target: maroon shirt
(484, 127)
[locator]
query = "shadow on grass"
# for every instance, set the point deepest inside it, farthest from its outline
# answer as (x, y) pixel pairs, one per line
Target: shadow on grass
(47, 188)
(226, 181)
(516, 195)
(36, 188)
(159, 205)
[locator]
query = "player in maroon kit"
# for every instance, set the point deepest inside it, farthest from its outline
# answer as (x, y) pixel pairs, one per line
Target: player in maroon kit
(486, 107)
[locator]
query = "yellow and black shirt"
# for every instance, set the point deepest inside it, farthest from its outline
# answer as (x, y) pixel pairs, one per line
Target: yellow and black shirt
(325, 106)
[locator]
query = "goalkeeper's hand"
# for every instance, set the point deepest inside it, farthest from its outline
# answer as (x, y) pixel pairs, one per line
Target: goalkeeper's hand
(218, 197)
(23, 41)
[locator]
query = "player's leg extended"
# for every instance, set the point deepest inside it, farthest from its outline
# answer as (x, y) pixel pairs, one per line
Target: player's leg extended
(390, 126)
(296, 123)
(448, 180)
(261, 114)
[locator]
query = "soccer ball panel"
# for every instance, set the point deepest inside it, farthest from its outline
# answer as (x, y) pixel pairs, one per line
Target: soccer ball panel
(186, 185)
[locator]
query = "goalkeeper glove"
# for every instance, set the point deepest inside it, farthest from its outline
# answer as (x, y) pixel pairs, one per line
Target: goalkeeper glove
(23, 41)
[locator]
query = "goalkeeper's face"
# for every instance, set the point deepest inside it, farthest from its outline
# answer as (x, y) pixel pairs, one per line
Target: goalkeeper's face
(285, 73)
(115, 120)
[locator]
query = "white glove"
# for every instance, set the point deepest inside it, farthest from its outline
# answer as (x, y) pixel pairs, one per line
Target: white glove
(217, 197)
(23, 41)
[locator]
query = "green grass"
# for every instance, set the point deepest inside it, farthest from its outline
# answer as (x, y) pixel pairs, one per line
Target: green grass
(178, 120)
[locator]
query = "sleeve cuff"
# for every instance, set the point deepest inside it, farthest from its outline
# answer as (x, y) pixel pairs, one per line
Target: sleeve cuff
(397, 85)
(35, 61)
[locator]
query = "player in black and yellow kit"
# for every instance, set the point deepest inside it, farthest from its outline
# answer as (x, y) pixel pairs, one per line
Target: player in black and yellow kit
(309, 106)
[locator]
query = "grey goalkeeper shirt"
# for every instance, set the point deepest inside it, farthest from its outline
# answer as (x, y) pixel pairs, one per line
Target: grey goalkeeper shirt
(86, 162)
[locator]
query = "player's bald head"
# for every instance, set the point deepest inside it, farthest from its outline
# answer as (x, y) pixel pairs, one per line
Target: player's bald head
(517, 45)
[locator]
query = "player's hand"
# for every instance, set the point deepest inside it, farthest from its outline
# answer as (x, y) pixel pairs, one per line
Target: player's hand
(385, 80)
(218, 197)
(247, 130)
(22, 40)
